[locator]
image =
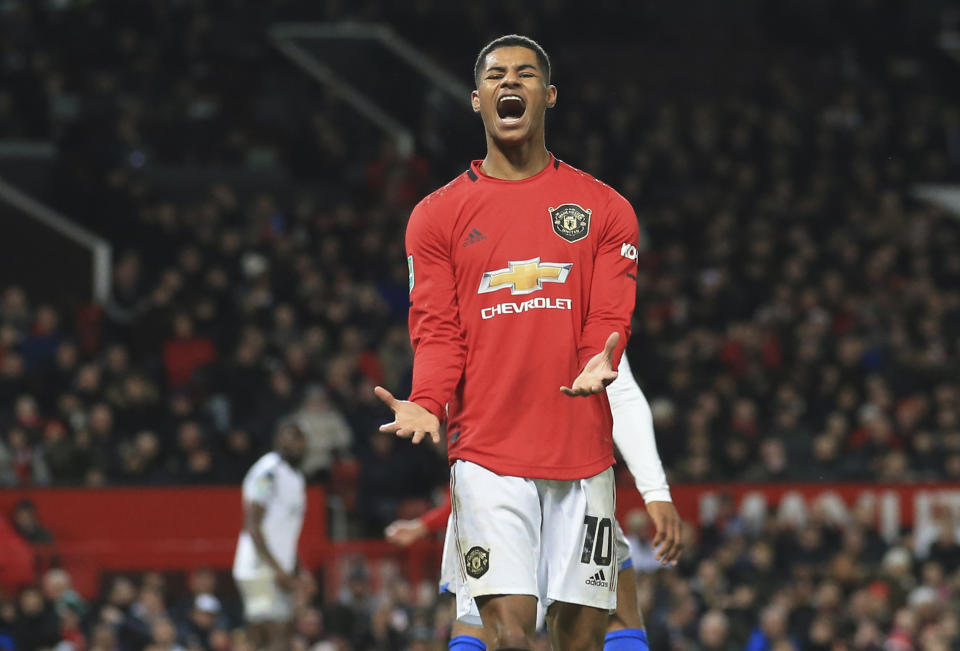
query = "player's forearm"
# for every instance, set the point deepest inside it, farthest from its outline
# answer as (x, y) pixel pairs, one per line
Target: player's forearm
(634, 437)
(437, 368)
(439, 351)
(613, 287)
(260, 545)
(435, 520)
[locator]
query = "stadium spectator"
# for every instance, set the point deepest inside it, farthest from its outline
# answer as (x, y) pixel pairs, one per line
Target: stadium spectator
(204, 620)
(57, 587)
(37, 625)
(713, 633)
(28, 525)
(185, 352)
(164, 636)
(328, 435)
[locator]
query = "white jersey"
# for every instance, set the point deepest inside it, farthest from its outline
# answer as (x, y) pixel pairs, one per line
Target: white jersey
(275, 485)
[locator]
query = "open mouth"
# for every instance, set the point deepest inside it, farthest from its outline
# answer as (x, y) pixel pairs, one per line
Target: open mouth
(511, 108)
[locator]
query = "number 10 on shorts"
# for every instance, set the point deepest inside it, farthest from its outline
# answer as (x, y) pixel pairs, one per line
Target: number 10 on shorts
(598, 541)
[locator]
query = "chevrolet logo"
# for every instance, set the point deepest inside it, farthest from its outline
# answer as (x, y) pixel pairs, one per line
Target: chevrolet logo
(525, 276)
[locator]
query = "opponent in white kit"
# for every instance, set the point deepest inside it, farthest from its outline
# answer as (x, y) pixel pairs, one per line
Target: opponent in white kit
(274, 501)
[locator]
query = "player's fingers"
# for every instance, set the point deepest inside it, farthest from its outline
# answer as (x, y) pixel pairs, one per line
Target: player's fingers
(678, 525)
(672, 544)
(404, 432)
(567, 391)
(669, 547)
(658, 540)
(611, 345)
(390, 427)
(435, 436)
(385, 396)
(418, 436)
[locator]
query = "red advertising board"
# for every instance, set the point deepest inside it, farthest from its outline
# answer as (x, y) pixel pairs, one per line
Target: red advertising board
(155, 528)
(186, 527)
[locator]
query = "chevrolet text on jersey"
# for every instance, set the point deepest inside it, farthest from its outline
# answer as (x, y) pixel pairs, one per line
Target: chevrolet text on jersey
(498, 328)
(533, 304)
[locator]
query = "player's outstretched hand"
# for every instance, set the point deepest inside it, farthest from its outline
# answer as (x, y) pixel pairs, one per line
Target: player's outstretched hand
(668, 543)
(410, 420)
(405, 532)
(598, 372)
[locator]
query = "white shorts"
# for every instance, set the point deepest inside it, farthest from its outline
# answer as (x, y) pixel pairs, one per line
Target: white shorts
(624, 551)
(451, 583)
(547, 538)
(264, 601)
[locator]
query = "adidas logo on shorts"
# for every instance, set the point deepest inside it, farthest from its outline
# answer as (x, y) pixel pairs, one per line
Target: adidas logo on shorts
(599, 579)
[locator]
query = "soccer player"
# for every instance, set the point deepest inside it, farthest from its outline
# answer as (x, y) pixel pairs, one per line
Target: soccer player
(274, 501)
(633, 436)
(522, 276)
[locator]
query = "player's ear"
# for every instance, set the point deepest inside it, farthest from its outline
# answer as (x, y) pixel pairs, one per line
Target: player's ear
(551, 96)
(475, 101)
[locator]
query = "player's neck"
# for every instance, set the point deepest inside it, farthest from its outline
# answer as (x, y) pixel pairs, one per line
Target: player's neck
(517, 162)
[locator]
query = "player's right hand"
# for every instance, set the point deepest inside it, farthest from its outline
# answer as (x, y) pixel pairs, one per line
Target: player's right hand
(405, 532)
(287, 582)
(410, 420)
(598, 372)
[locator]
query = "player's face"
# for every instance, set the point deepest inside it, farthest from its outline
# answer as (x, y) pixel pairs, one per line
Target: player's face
(512, 94)
(293, 446)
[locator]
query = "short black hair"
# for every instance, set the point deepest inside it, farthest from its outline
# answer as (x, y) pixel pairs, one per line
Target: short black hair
(512, 40)
(287, 425)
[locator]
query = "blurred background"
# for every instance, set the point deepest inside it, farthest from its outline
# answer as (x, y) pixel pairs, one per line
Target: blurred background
(202, 206)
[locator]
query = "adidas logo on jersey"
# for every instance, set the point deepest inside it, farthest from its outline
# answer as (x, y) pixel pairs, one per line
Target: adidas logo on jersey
(474, 237)
(599, 579)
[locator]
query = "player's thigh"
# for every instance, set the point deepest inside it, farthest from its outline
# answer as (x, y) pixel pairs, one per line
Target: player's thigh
(579, 562)
(628, 613)
(509, 619)
(575, 627)
(496, 522)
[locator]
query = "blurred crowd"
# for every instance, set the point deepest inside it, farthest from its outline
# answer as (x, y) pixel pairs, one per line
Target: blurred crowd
(798, 309)
(752, 581)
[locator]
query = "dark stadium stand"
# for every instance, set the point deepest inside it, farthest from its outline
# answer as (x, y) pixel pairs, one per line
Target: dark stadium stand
(798, 311)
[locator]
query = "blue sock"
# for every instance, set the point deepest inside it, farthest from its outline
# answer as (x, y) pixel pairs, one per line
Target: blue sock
(628, 639)
(467, 643)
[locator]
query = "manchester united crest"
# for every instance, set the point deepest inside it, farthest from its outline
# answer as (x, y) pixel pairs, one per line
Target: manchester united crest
(478, 561)
(570, 221)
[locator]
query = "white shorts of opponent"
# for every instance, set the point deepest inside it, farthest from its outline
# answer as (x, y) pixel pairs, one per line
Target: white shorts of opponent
(263, 600)
(555, 540)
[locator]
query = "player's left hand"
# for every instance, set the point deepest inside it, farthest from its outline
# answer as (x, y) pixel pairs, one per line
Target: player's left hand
(668, 543)
(598, 372)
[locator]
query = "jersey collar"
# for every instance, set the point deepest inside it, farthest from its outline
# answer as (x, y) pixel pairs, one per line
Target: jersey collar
(476, 174)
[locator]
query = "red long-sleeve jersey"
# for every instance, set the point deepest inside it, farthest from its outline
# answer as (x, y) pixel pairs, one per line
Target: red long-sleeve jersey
(514, 285)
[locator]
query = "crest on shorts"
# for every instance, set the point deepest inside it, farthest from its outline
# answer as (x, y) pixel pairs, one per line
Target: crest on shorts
(478, 561)
(570, 221)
